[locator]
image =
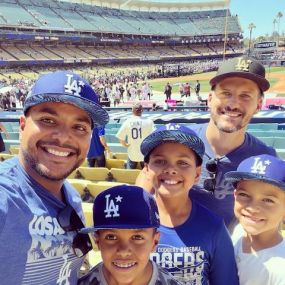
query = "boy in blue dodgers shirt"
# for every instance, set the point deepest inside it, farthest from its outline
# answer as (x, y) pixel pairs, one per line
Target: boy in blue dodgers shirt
(259, 183)
(194, 245)
(125, 225)
(39, 211)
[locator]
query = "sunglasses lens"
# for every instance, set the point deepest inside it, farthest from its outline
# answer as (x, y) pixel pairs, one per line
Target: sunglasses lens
(69, 220)
(209, 184)
(211, 166)
(81, 244)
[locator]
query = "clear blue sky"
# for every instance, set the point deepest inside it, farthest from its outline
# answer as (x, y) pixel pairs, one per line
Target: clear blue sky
(259, 12)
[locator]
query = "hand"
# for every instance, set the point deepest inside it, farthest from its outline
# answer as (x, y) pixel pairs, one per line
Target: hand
(145, 180)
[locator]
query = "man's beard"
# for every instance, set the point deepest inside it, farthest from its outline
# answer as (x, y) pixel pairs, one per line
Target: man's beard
(36, 166)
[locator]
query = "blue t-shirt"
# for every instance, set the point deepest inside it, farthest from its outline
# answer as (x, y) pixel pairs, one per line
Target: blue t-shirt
(96, 148)
(34, 249)
(199, 251)
(222, 202)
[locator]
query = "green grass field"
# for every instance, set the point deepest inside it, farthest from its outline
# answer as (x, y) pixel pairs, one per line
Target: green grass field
(158, 84)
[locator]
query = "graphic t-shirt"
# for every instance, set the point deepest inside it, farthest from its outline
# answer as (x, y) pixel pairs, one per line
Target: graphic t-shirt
(135, 129)
(34, 249)
(96, 277)
(198, 252)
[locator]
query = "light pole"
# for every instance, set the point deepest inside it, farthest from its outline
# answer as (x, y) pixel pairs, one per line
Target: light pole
(251, 26)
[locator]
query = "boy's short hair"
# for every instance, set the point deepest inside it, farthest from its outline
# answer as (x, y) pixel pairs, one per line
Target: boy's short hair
(173, 133)
(265, 168)
(124, 207)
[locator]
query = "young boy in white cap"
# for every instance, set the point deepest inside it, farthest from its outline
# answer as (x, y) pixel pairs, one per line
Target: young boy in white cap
(194, 245)
(125, 224)
(259, 183)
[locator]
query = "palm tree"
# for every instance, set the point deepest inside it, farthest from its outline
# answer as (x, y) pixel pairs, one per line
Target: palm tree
(251, 26)
(274, 27)
(279, 16)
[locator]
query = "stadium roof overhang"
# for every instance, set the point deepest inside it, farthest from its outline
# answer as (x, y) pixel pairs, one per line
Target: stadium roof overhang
(158, 5)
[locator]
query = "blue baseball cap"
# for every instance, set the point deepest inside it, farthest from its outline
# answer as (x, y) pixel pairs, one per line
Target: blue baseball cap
(173, 133)
(124, 207)
(67, 87)
(265, 168)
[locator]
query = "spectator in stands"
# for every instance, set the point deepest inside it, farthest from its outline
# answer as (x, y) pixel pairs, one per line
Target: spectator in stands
(97, 149)
(3, 130)
(168, 91)
(126, 240)
(236, 95)
(131, 134)
(40, 213)
(194, 245)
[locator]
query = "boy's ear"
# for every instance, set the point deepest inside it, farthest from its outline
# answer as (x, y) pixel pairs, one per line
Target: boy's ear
(198, 173)
(96, 238)
(155, 240)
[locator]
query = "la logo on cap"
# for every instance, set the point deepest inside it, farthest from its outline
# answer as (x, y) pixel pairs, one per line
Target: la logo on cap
(73, 86)
(243, 64)
(112, 209)
(260, 166)
(172, 127)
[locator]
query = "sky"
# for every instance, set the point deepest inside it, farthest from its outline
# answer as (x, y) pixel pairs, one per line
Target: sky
(261, 13)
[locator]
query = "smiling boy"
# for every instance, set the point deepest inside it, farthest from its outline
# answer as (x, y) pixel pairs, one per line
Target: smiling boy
(260, 208)
(195, 246)
(125, 225)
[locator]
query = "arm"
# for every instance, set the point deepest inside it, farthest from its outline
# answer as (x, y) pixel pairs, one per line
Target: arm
(124, 143)
(104, 143)
(3, 129)
(145, 180)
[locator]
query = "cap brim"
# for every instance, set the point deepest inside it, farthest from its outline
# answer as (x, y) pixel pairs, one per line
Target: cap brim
(98, 115)
(157, 138)
(112, 227)
(262, 83)
(235, 176)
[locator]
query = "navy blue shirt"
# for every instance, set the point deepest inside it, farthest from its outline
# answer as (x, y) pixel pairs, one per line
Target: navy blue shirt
(222, 201)
(96, 148)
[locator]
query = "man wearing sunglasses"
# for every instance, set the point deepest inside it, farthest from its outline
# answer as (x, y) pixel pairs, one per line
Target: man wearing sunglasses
(40, 213)
(236, 95)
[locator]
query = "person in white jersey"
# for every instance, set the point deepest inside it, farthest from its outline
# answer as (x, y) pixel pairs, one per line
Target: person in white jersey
(131, 134)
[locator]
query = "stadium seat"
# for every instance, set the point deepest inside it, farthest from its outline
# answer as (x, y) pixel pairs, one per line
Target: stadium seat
(120, 155)
(125, 175)
(4, 156)
(93, 173)
(79, 184)
(96, 188)
(115, 163)
(14, 149)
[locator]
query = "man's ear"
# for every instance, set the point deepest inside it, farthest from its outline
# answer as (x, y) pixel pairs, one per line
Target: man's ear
(22, 123)
(259, 105)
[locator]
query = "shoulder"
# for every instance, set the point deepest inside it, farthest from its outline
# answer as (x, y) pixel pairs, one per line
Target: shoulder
(207, 220)
(257, 146)
(92, 277)
(164, 277)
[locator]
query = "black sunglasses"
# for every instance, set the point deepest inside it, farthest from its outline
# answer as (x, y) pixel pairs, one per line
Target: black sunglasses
(210, 182)
(69, 220)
